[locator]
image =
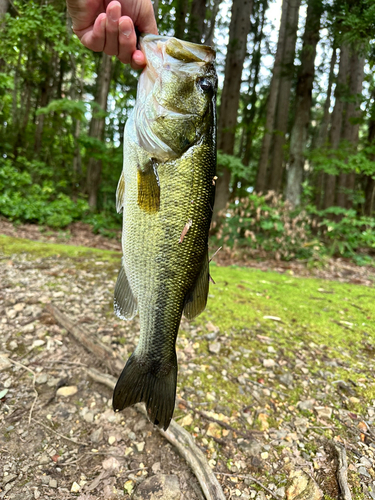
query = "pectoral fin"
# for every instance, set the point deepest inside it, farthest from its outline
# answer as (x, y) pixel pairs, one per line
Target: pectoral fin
(148, 189)
(124, 303)
(120, 193)
(196, 300)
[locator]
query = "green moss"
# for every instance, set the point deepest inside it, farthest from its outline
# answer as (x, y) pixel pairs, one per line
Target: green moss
(36, 249)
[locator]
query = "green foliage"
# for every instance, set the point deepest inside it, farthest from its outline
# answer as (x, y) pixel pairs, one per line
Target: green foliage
(260, 224)
(22, 200)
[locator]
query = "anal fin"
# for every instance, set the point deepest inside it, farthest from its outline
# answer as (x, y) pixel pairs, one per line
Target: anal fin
(124, 302)
(196, 300)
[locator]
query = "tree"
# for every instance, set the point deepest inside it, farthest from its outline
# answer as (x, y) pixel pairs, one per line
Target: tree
(303, 102)
(97, 124)
(238, 31)
(271, 104)
(196, 21)
(287, 65)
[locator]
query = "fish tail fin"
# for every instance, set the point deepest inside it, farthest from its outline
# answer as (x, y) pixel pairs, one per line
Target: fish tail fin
(153, 383)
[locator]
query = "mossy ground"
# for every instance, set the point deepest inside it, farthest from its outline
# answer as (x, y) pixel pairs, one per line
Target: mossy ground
(320, 332)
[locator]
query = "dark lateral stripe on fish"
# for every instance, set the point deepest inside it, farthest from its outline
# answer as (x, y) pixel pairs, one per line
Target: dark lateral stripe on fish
(153, 387)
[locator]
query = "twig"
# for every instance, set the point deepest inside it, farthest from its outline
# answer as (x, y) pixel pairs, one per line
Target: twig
(342, 471)
(88, 341)
(184, 443)
(17, 363)
(251, 478)
(79, 443)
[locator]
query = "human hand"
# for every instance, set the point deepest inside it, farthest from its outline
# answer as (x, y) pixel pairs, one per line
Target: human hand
(109, 26)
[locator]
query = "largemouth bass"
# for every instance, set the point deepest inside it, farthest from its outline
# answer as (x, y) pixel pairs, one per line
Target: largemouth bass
(166, 192)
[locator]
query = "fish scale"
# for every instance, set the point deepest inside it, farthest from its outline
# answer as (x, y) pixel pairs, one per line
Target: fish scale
(167, 209)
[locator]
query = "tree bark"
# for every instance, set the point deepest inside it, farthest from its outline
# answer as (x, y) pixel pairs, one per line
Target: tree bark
(180, 20)
(369, 181)
(260, 184)
(94, 167)
(336, 122)
(250, 112)
(238, 31)
(346, 181)
(282, 115)
(303, 102)
(196, 21)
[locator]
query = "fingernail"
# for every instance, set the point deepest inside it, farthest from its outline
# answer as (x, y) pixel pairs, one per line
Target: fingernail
(125, 30)
(113, 15)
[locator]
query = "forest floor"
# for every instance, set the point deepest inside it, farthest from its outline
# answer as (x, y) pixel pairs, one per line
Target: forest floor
(276, 380)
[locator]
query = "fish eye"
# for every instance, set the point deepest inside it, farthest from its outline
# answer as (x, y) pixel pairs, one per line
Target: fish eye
(205, 84)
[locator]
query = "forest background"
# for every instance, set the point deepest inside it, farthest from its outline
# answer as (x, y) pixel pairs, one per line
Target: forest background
(296, 122)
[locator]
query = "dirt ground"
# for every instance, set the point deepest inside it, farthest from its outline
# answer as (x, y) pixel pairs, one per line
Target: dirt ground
(59, 437)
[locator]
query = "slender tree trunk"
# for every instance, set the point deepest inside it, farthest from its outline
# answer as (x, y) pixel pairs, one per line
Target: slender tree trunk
(250, 114)
(271, 104)
(350, 131)
(44, 99)
(180, 20)
(238, 31)
(369, 181)
(336, 122)
(156, 9)
(303, 105)
(282, 115)
(4, 5)
(210, 27)
(196, 21)
(94, 167)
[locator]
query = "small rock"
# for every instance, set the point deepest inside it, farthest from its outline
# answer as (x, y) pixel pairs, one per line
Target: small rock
(4, 363)
(214, 347)
(111, 440)
(186, 420)
(28, 328)
(37, 343)
(156, 467)
(132, 436)
(159, 487)
(111, 463)
(354, 400)
(323, 411)
(88, 417)
(41, 378)
(19, 307)
(11, 313)
(308, 404)
(302, 487)
(280, 492)
(36, 494)
(45, 479)
(251, 448)
(75, 487)
(269, 363)
(140, 447)
(97, 435)
(44, 459)
(261, 496)
(286, 379)
(363, 472)
(13, 345)
(67, 391)
(366, 462)
(140, 425)
(53, 483)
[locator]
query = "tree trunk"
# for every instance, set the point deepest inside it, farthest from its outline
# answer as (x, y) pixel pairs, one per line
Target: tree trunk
(94, 167)
(238, 31)
(156, 9)
(336, 122)
(303, 102)
(369, 181)
(249, 115)
(350, 131)
(196, 21)
(282, 115)
(323, 128)
(180, 20)
(271, 104)
(210, 27)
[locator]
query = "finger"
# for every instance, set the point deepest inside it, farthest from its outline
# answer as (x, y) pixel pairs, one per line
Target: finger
(111, 30)
(138, 60)
(94, 37)
(145, 21)
(127, 39)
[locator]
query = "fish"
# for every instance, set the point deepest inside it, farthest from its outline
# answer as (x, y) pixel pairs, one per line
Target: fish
(166, 193)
